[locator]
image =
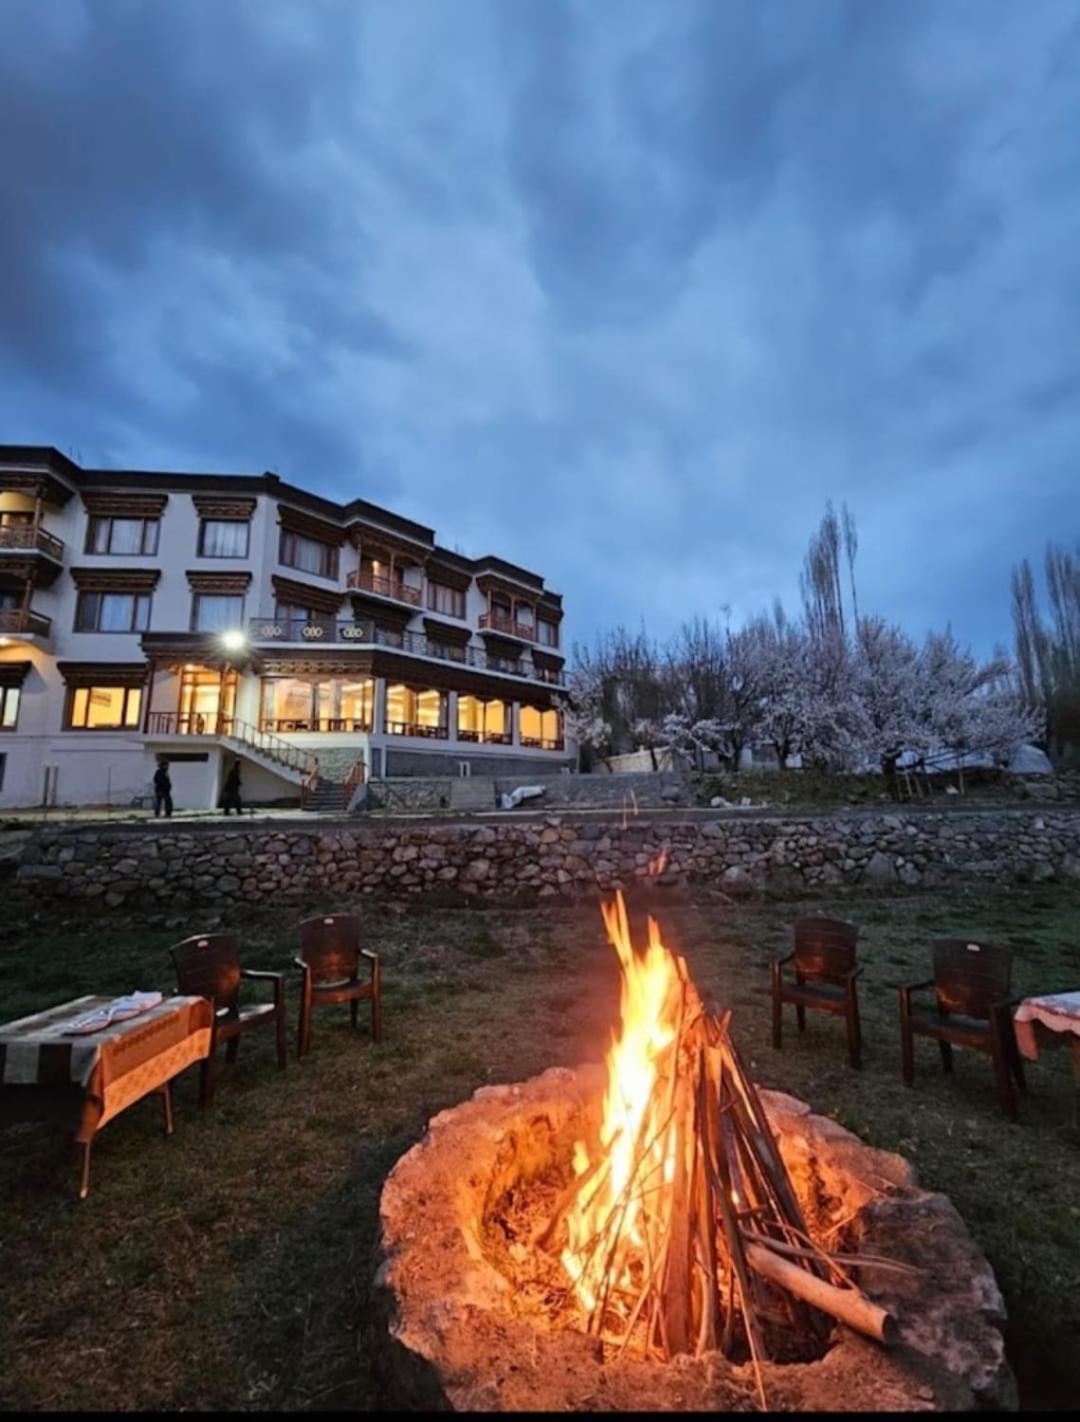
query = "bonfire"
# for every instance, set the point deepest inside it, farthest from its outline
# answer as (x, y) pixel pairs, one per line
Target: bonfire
(683, 1231)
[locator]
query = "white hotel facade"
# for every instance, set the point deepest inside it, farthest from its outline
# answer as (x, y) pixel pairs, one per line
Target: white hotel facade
(207, 617)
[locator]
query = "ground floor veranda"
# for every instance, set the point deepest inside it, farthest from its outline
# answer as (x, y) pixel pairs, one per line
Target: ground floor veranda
(195, 699)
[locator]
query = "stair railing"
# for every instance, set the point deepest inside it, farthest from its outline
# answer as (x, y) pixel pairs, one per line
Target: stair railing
(309, 782)
(349, 785)
(265, 743)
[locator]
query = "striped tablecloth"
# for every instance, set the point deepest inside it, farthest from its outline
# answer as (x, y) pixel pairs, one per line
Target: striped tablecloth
(93, 1077)
(1058, 1013)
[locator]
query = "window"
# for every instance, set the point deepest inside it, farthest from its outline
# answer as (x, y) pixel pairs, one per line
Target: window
(310, 555)
(447, 600)
(542, 729)
(547, 633)
(9, 707)
(416, 713)
(291, 704)
(216, 612)
(104, 708)
(131, 536)
(15, 518)
(112, 612)
(487, 721)
(223, 538)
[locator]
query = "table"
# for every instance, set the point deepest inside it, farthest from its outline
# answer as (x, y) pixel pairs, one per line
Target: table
(1051, 1021)
(84, 1081)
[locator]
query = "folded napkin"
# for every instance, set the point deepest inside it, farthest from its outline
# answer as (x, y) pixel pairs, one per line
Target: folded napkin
(116, 1011)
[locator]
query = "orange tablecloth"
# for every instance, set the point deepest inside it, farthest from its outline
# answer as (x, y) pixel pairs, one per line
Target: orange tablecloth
(92, 1078)
(1058, 1013)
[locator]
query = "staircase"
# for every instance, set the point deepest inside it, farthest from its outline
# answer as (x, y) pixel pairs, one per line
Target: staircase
(323, 796)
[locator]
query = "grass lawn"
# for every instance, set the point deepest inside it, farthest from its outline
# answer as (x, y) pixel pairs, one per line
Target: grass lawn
(230, 1266)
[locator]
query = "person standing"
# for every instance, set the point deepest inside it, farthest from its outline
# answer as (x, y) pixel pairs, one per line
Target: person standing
(230, 794)
(162, 790)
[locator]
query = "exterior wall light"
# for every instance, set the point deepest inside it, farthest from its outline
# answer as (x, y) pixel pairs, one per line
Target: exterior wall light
(233, 641)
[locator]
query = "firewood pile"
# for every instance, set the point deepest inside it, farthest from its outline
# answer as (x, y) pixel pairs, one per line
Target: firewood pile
(685, 1232)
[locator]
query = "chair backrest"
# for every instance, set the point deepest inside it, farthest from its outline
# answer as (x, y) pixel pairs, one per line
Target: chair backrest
(330, 945)
(825, 947)
(969, 976)
(207, 966)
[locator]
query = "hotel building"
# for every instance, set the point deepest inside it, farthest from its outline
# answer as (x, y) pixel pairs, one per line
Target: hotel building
(207, 617)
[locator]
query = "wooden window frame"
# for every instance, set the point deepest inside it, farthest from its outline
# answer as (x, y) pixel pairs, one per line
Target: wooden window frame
(201, 545)
(89, 688)
(99, 593)
(455, 594)
(94, 520)
(5, 692)
(199, 593)
(286, 545)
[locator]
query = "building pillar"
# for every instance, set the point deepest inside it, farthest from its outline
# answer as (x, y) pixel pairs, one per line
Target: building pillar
(378, 713)
(451, 715)
(515, 723)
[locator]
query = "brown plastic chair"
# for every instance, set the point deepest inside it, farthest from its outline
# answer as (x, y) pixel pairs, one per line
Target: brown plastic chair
(207, 966)
(971, 981)
(329, 959)
(825, 978)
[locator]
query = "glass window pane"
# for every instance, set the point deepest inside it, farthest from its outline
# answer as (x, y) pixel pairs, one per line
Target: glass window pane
(117, 611)
(216, 612)
(224, 538)
(126, 535)
(429, 708)
(134, 701)
(79, 701)
(99, 535)
(87, 615)
(105, 706)
(11, 707)
(150, 535)
(531, 723)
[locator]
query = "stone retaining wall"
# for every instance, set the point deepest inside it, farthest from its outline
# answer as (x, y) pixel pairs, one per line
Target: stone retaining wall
(151, 866)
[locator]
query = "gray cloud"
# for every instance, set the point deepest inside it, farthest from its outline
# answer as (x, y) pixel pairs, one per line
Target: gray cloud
(622, 292)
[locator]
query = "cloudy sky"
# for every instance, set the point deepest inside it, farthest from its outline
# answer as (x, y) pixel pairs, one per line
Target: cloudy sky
(622, 292)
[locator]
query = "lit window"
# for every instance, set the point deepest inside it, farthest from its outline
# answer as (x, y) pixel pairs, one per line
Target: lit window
(415, 713)
(104, 708)
(9, 707)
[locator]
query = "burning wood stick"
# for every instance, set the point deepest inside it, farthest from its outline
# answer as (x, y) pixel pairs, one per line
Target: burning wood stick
(850, 1306)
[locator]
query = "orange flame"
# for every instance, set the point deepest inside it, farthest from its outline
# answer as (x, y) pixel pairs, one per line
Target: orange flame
(637, 1155)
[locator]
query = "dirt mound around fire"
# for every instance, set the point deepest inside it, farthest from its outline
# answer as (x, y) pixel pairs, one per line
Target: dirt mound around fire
(478, 1318)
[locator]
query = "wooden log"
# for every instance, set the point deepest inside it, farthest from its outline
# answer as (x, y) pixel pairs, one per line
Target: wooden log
(850, 1306)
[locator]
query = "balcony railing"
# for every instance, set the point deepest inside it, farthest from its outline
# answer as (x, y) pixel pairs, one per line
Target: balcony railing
(383, 586)
(535, 743)
(188, 723)
(486, 738)
(291, 725)
(319, 630)
(256, 738)
(499, 622)
(20, 622)
(413, 728)
(24, 537)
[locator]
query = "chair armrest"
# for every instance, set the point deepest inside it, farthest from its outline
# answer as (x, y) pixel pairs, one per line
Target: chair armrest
(373, 958)
(261, 975)
(853, 974)
(906, 989)
(305, 968)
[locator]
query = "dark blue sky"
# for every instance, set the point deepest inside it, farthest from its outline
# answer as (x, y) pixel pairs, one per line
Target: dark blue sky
(622, 292)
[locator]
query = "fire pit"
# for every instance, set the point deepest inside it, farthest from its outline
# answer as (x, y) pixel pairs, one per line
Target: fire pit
(659, 1234)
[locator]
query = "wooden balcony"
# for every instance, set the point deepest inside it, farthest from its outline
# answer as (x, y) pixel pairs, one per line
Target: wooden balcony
(21, 622)
(394, 588)
(26, 538)
(506, 626)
